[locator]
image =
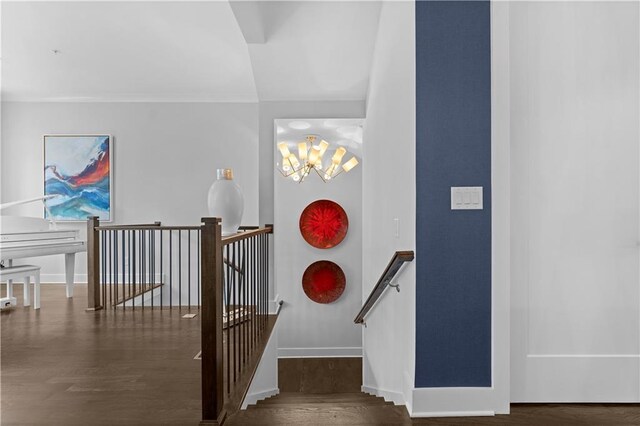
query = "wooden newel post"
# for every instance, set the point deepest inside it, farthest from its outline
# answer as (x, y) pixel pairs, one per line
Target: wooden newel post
(93, 264)
(211, 320)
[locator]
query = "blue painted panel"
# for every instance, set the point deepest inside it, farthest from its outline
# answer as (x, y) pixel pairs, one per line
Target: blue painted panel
(453, 253)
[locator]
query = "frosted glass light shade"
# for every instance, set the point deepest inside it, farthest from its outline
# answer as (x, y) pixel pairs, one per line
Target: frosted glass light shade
(323, 147)
(302, 151)
(314, 155)
(284, 150)
(337, 157)
(294, 161)
(226, 201)
(350, 164)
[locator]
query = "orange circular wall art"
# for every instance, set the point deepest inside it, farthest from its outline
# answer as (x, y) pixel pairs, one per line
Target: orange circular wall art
(323, 281)
(324, 224)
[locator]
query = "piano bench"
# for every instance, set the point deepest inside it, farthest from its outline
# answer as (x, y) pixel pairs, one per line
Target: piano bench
(23, 272)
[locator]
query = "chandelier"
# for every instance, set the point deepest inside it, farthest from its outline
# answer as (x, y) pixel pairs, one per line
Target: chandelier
(310, 158)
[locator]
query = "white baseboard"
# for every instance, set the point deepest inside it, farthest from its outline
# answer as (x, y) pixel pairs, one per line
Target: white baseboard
(454, 402)
(273, 304)
(253, 398)
(395, 397)
(454, 414)
(61, 279)
(82, 278)
(319, 352)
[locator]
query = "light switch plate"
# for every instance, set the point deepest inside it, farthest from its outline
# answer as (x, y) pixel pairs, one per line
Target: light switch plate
(466, 198)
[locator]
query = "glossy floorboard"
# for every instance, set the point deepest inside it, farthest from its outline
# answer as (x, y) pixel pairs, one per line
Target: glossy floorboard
(61, 365)
(64, 366)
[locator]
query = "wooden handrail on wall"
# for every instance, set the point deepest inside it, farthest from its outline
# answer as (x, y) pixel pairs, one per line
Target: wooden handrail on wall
(398, 259)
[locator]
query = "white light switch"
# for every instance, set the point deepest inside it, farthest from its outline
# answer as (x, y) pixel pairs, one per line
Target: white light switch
(466, 198)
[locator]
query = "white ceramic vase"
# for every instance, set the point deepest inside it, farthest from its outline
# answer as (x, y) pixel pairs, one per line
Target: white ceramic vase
(226, 201)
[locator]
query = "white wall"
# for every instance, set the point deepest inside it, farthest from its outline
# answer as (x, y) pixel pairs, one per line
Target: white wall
(308, 328)
(270, 111)
(165, 156)
(388, 192)
(265, 380)
(575, 129)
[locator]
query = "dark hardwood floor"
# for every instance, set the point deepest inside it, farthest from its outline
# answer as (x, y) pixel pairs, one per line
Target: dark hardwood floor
(61, 365)
(64, 366)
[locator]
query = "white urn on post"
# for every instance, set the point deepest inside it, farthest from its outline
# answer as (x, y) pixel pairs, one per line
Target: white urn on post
(226, 201)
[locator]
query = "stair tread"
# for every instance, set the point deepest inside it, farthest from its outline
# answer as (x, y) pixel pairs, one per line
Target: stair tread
(322, 414)
(284, 398)
(329, 395)
(262, 405)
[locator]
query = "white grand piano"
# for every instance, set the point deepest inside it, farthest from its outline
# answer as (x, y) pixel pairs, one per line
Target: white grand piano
(22, 237)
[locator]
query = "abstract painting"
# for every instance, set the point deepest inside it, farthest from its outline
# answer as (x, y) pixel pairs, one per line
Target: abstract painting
(324, 224)
(77, 170)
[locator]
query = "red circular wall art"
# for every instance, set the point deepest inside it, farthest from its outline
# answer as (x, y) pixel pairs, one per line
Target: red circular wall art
(323, 281)
(324, 224)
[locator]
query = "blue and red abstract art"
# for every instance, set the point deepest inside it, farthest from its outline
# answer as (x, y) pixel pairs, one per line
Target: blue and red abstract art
(77, 169)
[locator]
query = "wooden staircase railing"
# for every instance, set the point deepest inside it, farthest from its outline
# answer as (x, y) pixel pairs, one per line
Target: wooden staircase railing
(398, 259)
(154, 266)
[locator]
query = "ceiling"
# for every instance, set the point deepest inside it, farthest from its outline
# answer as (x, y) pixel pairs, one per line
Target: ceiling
(209, 51)
(315, 50)
(124, 51)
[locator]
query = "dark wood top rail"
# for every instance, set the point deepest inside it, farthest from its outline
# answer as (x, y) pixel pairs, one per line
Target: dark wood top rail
(268, 229)
(131, 225)
(139, 227)
(398, 259)
(244, 232)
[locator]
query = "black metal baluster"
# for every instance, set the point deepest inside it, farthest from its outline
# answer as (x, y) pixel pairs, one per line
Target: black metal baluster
(179, 272)
(257, 284)
(244, 303)
(152, 253)
(266, 275)
(103, 266)
(236, 262)
(228, 313)
(232, 324)
(130, 263)
(124, 264)
(170, 269)
(115, 269)
(254, 288)
(198, 263)
(189, 268)
(259, 241)
(143, 263)
(111, 280)
(161, 271)
(264, 289)
(135, 281)
(260, 295)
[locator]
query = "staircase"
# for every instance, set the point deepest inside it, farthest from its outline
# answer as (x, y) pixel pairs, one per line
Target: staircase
(321, 409)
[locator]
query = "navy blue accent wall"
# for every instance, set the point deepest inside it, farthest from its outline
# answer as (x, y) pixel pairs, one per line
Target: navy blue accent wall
(453, 137)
